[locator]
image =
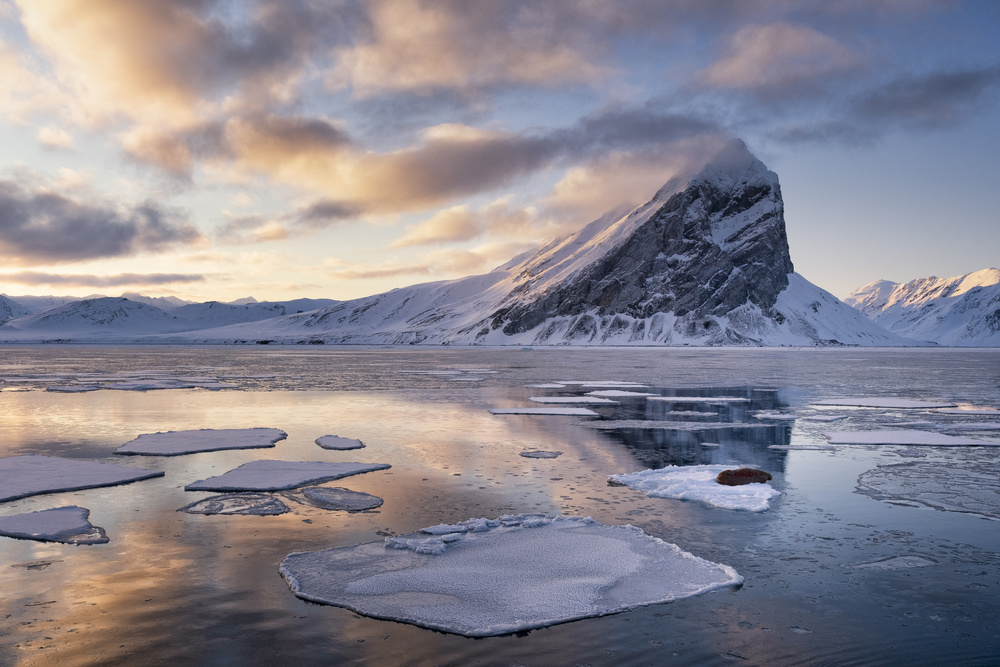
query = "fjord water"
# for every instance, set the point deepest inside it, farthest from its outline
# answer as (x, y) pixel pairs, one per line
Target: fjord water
(832, 576)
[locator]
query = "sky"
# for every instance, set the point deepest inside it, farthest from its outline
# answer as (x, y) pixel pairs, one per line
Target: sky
(215, 149)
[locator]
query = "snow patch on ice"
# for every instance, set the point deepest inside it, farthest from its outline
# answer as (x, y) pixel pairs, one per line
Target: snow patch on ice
(699, 483)
(176, 443)
(69, 524)
(22, 476)
(269, 475)
(488, 577)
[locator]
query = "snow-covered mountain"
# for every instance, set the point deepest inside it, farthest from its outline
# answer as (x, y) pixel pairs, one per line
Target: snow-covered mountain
(93, 319)
(705, 262)
(10, 309)
(961, 310)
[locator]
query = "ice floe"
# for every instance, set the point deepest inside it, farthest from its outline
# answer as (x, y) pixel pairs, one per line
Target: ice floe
(895, 563)
(540, 454)
(545, 385)
(268, 475)
(336, 498)
(670, 425)
(824, 418)
(610, 384)
(775, 416)
(255, 504)
(699, 483)
(903, 437)
(618, 393)
(572, 400)
(176, 443)
(571, 412)
(804, 448)
(487, 577)
(975, 412)
(698, 399)
(69, 524)
(72, 388)
(22, 476)
(337, 442)
(968, 487)
(890, 403)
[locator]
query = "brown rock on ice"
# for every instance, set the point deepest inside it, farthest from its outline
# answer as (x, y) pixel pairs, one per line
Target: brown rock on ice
(741, 476)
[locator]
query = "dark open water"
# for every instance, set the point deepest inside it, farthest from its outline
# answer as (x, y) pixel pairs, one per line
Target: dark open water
(176, 588)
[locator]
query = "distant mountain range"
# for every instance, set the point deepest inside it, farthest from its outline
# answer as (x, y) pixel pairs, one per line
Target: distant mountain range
(959, 311)
(704, 262)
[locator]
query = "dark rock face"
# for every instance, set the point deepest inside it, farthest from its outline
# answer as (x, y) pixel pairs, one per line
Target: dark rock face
(741, 476)
(715, 246)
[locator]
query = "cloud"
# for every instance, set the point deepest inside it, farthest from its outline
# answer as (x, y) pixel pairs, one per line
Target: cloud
(930, 100)
(779, 57)
(437, 263)
(54, 137)
(420, 46)
(41, 226)
(462, 223)
(88, 280)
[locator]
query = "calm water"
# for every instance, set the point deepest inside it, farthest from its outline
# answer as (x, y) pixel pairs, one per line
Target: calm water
(176, 588)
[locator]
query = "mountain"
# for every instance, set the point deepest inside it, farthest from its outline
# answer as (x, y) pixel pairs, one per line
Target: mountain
(10, 309)
(704, 262)
(38, 304)
(93, 319)
(961, 311)
(215, 314)
(162, 302)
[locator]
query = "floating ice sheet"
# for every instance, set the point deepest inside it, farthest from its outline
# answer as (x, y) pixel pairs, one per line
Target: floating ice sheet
(572, 400)
(971, 487)
(572, 412)
(176, 443)
(776, 416)
(267, 475)
(336, 498)
(824, 418)
(22, 476)
(699, 399)
(72, 388)
(618, 393)
(891, 403)
(670, 425)
(489, 577)
(545, 385)
(337, 442)
(255, 504)
(903, 437)
(896, 563)
(977, 412)
(69, 524)
(540, 454)
(610, 384)
(698, 483)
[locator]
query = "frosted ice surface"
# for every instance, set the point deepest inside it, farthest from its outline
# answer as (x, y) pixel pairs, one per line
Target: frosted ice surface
(903, 437)
(545, 385)
(965, 411)
(804, 448)
(72, 388)
(824, 418)
(176, 443)
(256, 504)
(892, 403)
(572, 412)
(22, 476)
(336, 498)
(540, 454)
(972, 487)
(698, 483)
(69, 524)
(610, 384)
(337, 442)
(268, 475)
(167, 383)
(618, 393)
(571, 400)
(488, 577)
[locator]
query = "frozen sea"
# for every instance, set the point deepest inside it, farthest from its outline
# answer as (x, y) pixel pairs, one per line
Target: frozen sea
(892, 572)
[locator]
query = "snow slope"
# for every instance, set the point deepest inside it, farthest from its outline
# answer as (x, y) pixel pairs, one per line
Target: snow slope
(10, 309)
(960, 311)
